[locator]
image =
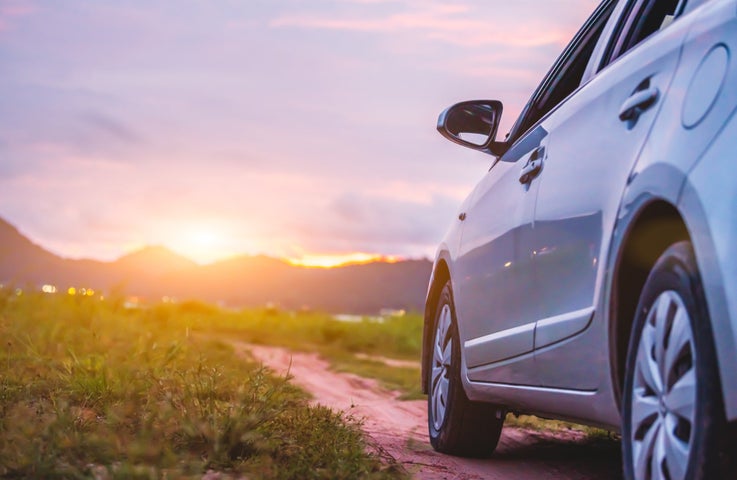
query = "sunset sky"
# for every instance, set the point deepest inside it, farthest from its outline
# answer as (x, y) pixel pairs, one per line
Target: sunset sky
(292, 128)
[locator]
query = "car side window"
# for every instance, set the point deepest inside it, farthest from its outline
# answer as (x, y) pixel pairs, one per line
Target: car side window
(567, 72)
(642, 19)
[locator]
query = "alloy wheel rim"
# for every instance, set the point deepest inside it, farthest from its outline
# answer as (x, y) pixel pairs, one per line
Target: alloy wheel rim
(440, 376)
(664, 392)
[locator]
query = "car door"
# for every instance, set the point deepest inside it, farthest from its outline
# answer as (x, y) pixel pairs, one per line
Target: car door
(596, 136)
(496, 302)
(494, 270)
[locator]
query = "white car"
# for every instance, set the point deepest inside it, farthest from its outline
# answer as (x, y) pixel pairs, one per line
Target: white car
(591, 275)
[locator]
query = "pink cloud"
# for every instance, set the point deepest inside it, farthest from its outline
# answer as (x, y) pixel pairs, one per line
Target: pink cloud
(454, 24)
(10, 9)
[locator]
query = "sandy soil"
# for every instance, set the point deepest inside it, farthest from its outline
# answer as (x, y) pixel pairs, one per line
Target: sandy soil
(399, 429)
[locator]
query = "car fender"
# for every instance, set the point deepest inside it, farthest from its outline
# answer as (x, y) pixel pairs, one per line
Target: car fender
(708, 198)
(656, 182)
(442, 260)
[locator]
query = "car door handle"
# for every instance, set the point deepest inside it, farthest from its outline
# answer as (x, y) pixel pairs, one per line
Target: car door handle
(637, 103)
(530, 171)
(533, 166)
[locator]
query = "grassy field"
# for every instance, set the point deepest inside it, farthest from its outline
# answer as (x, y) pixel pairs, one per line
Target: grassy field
(396, 338)
(339, 342)
(89, 388)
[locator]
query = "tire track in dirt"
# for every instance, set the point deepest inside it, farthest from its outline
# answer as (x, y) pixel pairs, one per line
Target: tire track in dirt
(399, 429)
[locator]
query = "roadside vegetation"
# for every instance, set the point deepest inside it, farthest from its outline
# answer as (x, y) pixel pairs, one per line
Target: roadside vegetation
(365, 347)
(362, 347)
(92, 389)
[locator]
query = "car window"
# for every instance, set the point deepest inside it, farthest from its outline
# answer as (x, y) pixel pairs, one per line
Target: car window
(567, 72)
(642, 19)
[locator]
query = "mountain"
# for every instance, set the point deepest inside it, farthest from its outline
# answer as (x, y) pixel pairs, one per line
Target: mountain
(162, 257)
(246, 281)
(22, 259)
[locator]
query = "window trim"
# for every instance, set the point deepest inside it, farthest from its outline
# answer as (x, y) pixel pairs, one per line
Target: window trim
(606, 7)
(629, 22)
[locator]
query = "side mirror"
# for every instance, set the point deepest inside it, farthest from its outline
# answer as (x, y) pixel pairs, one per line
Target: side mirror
(473, 124)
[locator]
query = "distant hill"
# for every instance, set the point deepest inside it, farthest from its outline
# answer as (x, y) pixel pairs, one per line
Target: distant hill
(162, 257)
(247, 281)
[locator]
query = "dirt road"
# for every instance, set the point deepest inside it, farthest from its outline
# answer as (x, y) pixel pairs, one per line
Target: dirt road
(399, 429)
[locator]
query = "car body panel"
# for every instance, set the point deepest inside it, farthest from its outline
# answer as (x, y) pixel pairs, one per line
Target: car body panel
(714, 25)
(494, 268)
(708, 200)
(659, 184)
(592, 407)
(549, 331)
(581, 190)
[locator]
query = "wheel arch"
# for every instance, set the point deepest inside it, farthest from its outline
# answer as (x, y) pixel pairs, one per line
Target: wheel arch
(657, 225)
(438, 279)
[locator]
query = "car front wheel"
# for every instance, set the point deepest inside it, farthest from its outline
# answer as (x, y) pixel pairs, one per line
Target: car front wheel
(673, 417)
(457, 426)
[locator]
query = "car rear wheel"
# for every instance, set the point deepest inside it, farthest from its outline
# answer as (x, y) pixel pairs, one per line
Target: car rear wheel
(673, 421)
(457, 426)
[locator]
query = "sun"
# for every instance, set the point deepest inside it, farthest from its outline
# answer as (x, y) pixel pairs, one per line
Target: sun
(204, 238)
(202, 243)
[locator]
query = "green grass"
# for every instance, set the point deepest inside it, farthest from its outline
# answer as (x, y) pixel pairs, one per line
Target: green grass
(531, 422)
(337, 341)
(395, 337)
(403, 379)
(89, 388)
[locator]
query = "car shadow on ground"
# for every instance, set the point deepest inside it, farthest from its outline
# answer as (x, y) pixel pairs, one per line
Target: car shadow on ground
(597, 457)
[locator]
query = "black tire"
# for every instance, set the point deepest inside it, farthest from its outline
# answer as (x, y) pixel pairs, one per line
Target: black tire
(673, 422)
(457, 425)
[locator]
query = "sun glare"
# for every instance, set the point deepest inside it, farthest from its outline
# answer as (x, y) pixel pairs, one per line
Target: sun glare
(202, 243)
(337, 260)
(214, 240)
